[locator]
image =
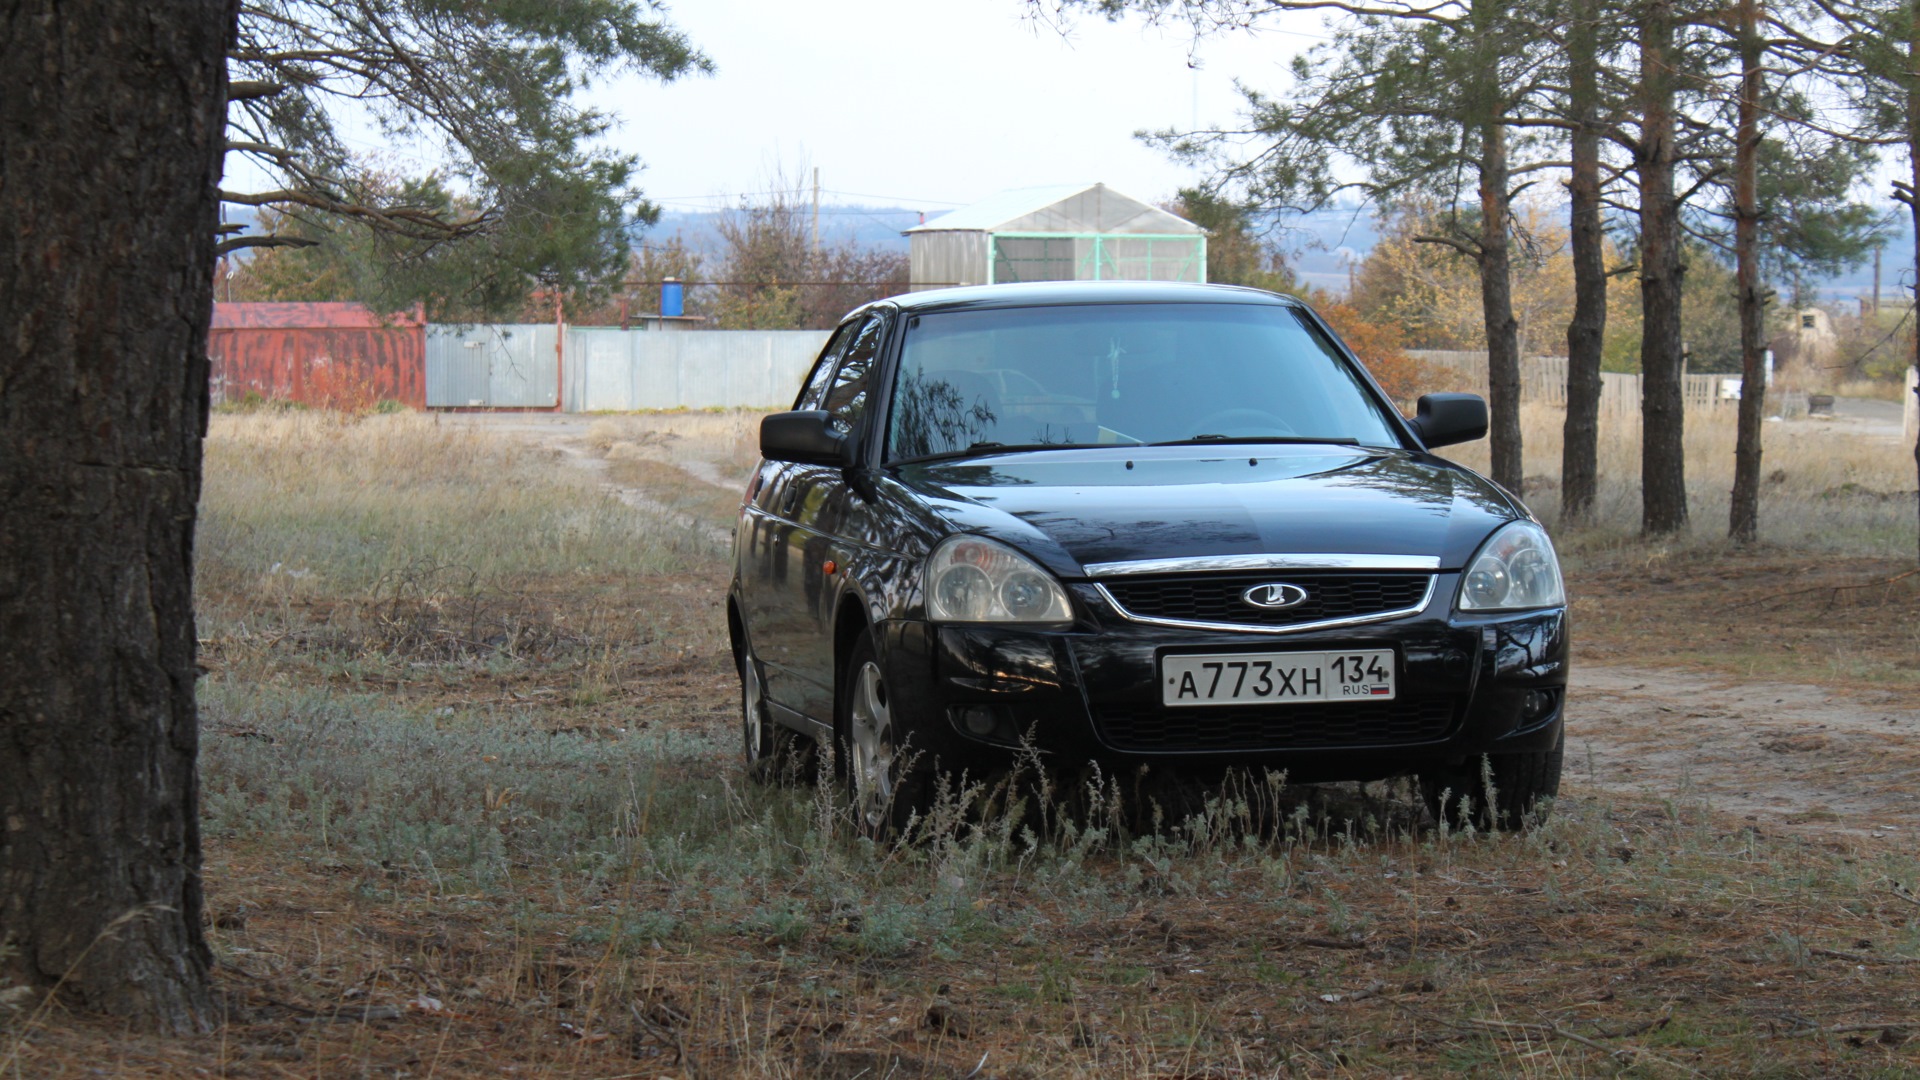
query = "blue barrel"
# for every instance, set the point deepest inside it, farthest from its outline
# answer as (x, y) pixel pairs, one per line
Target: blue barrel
(673, 298)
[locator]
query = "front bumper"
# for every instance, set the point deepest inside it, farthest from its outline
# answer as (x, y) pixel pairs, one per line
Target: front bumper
(1466, 685)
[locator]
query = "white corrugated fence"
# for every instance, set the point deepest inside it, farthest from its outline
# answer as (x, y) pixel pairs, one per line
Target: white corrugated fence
(613, 370)
(606, 369)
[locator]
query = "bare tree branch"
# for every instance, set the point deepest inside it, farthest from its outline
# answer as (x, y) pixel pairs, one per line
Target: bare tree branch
(237, 243)
(253, 89)
(1471, 251)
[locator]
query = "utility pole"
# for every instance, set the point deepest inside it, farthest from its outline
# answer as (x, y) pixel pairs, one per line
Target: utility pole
(816, 208)
(1876, 281)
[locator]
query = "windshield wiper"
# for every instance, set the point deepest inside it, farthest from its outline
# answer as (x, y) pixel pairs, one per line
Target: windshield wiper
(1324, 440)
(985, 447)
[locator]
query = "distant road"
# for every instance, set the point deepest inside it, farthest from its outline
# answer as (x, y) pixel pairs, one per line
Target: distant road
(1867, 416)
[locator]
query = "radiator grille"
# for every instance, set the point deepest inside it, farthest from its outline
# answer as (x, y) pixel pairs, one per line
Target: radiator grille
(1217, 598)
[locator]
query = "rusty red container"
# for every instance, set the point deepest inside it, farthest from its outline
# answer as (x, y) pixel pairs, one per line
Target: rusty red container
(332, 355)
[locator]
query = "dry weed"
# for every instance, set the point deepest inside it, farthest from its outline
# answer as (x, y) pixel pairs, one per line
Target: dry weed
(1824, 489)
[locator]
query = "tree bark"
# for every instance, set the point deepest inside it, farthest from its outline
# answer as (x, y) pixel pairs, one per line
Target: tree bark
(111, 124)
(1913, 208)
(1743, 515)
(1586, 333)
(1663, 487)
(1496, 280)
(1496, 302)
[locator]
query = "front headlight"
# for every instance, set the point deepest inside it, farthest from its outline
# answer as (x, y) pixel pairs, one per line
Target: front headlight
(972, 580)
(1514, 569)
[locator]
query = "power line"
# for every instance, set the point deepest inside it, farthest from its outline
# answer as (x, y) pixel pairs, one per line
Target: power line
(897, 198)
(796, 193)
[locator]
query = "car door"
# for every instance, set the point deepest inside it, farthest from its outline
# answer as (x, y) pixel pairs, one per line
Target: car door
(804, 508)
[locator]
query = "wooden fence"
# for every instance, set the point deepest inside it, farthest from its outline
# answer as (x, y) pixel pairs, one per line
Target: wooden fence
(1543, 379)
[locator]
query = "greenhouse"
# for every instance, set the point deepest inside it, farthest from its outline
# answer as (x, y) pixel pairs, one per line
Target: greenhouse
(1071, 232)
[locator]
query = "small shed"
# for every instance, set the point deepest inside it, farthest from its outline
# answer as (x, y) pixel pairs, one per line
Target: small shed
(329, 355)
(1061, 232)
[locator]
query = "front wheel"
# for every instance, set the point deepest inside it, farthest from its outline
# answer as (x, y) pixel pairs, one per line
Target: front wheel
(1523, 786)
(888, 787)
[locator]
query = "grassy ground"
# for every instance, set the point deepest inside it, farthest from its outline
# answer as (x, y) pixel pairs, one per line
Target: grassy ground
(473, 808)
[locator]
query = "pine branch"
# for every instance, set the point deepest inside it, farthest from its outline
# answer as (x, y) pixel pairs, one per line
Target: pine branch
(1471, 251)
(252, 89)
(237, 243)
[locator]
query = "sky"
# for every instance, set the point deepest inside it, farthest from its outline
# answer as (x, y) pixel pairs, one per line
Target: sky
(929, 105)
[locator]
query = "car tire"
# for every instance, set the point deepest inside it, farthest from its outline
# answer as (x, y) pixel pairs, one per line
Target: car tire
(886, 787)
(773, 753)
(1523, 785)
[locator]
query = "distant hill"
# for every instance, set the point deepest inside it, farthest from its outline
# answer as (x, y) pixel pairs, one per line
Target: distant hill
(1319, 245)
(1896, 267)
(866, 226)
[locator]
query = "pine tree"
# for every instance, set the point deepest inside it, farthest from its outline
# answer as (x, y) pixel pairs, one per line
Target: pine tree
(515, 193)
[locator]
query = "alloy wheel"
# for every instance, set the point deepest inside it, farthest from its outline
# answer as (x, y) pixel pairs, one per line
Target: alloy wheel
(870, 731)
(752, 713)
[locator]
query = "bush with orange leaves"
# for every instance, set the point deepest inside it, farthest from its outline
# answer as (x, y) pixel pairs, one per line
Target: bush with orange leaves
(1378, 347)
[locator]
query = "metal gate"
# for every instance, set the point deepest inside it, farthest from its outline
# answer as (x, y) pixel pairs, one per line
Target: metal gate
(493, 366)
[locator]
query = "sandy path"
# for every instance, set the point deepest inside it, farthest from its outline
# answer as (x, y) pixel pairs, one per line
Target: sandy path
(568, 436)
(1785, 753)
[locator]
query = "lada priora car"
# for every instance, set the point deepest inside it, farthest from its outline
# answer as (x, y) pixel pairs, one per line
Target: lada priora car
(1136, 523)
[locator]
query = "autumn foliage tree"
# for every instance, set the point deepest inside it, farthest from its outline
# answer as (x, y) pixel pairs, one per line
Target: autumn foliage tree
(1377, 344)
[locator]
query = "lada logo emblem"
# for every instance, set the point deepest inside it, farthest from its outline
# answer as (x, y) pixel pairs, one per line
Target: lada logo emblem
(1277, 594)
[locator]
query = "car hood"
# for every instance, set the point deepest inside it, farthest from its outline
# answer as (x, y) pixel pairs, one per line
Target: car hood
(1069, 508)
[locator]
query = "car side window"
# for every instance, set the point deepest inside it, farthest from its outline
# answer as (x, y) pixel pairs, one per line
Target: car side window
(847, 400)
(814, 393)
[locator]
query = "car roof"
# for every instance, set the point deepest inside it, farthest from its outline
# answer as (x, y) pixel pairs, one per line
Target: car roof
(1052, 293)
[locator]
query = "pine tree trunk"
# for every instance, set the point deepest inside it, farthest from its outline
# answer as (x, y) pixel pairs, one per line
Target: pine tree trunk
(111, 126)
(1586, 333)
(1743, 516)
(1663, 487)
(1487, 115)
(1913, 206)
(1496, 302)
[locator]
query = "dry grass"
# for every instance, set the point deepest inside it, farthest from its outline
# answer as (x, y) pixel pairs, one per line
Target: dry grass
(723, 446)
(1881, 389)
(439, 851)
(362, 498)
(1824, 490)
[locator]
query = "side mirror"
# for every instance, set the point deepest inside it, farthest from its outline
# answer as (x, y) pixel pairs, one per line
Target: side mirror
(806, 437)
(1445, 419)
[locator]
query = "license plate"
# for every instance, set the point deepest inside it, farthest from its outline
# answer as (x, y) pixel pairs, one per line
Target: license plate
(1242, 678)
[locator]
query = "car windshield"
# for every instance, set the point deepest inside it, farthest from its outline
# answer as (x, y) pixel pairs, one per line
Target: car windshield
(1123, 374)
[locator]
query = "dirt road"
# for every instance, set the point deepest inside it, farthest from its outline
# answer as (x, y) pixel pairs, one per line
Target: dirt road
(1782, 753)
(1869, 418)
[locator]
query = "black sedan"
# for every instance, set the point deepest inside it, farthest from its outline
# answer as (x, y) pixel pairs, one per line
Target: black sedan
(1136, 523)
